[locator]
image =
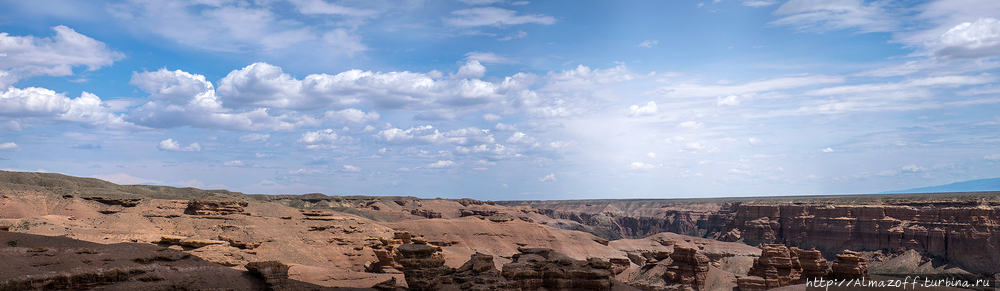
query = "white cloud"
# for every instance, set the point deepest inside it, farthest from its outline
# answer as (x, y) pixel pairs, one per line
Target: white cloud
(504, 127)
(821, 16)
(651, 155)
(520, 138)
(516, 35)
(690, 125)
(548, 178)
(731, 100)
(323, 7)
(260, 155)
(909, 85)
(740, 172)
(471, 69)
(125, 179)
(759, 3)
(693, 146)
(190, 183)
(648, 43)
(171, 145)
(264, 85)
(40, 102)
(180, 98)
(585, 77)
(497, 152)
(322, 139)
(352, 116)
(495, 16)
(428, 135)
(487, 58)
(912, 169)
(441, 164)
(649, 109)
(344, 41)
(9, 146)
(236, 163)
(993, 157)
(26, 56)
(490, 117)
(349, 168)
(230, 26)
(689, 90)
(971, 39)
(255, 138)
(828, 150)
(640, 166)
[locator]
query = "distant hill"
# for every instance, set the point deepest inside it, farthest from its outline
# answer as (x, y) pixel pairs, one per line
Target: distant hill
(967, 186)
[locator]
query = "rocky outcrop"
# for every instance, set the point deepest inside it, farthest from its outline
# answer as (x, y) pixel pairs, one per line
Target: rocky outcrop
(275, 273)
(215, 207)
(426, 213)
(536, 268)
(813, 264)
(423, 267)
(689, 267)
(532, 269)
(126, 202)
(777, 266)
(849, 265)
(961, 232)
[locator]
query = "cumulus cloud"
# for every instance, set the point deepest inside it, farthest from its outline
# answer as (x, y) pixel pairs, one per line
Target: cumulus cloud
(428, 135)
(651, 155)
(496, 152)
(912, 169)
(87, 109)
(441, 164)
(322, 139)
(980, 38)
(352, 116)
(171, 145)
(828, 150)
(649, 109)
(504, 127)
(255, 138)
(585, 77)
(648, 43)
(690, 125)
(9, 146)
(494, 16)
(993, 157)
(235, 163)
(520, 138)
(490, 117)
(548, 178)
(26, 56)
(471, 69)
(261, 85)
(640, 166)
(731, 100)
(180, 98)
(349, 168)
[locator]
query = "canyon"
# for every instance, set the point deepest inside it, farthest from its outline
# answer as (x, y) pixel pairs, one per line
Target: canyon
(83, 233)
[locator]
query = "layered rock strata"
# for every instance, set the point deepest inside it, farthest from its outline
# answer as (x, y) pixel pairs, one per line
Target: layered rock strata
(689, 267)
(849, 265)
(777, 266)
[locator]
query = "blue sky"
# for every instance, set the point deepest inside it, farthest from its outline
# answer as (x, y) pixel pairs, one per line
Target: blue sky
(504, 100)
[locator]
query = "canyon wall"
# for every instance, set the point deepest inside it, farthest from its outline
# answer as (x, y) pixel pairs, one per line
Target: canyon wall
(961, 228)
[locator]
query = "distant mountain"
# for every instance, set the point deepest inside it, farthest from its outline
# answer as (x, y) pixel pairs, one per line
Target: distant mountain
(967, 186)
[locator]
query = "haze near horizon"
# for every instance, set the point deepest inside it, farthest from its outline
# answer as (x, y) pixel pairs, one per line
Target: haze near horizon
(504, 100)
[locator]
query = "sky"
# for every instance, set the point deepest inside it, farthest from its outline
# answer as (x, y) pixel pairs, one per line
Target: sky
(504, 100)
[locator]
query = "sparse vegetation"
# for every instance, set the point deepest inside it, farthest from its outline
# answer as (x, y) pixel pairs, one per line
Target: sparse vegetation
(12, 243)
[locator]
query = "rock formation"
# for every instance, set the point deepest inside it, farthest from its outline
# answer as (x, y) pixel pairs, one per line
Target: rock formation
(813, 264)
(423, 268)
(275, 274)
(777, 266)
(849, 265)
(215, 207)
(536, 268)
(689, 267)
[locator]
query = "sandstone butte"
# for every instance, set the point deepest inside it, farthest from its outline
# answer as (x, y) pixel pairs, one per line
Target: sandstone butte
(63, 232)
